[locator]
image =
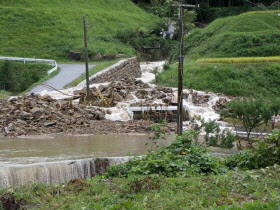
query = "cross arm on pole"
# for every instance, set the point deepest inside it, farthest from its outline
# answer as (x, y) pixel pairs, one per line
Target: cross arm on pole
(185, 5)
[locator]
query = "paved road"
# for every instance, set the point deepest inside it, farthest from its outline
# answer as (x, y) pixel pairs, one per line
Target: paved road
(68, 73)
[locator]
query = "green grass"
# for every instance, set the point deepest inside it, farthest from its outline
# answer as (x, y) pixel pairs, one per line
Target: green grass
(4, 94)
(99, 66)
(239, 38)
(233, 190)
(50, 29)
(249, 80)
(252, 34)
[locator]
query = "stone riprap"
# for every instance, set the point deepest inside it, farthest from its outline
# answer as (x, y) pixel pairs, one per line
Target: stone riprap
(123, 69)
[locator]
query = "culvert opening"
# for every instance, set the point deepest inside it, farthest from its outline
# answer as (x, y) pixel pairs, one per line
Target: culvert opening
(157, 113)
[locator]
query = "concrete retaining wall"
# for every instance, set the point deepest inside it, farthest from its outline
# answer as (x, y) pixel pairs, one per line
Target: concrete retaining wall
(123, 69)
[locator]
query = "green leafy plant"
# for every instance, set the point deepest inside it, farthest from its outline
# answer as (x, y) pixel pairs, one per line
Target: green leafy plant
(180, 158)
(266, 154)
(274, 138)
(213, 135)
(252, 113)
(17, 77)
(157, 131)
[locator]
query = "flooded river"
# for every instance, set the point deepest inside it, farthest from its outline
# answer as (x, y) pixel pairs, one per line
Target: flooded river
(39, 149)
(55, 160)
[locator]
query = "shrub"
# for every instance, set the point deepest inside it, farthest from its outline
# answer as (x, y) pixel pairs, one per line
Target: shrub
(180, 158)
(17, 77)
(144, 40)
(254, 158)
(213, 134)
(267, 154)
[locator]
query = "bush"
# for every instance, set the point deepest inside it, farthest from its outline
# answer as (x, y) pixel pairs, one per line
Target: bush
(267, 154)
(254, 158)
(17, 77)
(213, 134)
(180, 158)
(143, 40)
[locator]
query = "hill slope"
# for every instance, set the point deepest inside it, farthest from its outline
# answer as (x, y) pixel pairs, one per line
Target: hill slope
(246, 35)
(49, 29)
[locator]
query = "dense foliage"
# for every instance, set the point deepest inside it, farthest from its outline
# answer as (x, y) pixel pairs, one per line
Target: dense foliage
(148, 43)
(266, 154)
(17, 77)
(252, 113)
(180, 158)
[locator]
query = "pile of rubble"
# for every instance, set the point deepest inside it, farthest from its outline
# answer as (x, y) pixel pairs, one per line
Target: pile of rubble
(128, 89)
(39, 115)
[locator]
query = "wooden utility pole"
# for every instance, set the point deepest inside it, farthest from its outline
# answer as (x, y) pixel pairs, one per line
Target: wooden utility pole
(88, 95)
(181, 6)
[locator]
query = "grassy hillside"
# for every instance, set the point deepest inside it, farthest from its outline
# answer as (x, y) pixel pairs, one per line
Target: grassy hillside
(49, 29)
(249, 34)
(249, 80)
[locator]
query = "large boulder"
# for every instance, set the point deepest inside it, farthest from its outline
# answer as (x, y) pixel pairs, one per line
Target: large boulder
(76, 56)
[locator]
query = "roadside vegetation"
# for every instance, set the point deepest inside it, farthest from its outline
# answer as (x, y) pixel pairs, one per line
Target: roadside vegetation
(4, 94)
(16, 77)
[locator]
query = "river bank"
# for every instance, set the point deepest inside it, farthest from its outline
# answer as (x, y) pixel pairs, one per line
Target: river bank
(256, 189)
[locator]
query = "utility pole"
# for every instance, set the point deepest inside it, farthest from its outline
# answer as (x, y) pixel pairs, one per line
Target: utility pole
(88, 95)
(181, 6)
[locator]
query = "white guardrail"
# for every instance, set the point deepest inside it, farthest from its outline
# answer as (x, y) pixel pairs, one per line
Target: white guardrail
(24, 60)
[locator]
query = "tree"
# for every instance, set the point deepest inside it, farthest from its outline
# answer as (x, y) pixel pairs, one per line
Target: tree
(252, 113)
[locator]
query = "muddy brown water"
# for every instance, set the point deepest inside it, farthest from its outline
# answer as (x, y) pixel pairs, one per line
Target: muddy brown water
(40, 149)
(55, 160)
